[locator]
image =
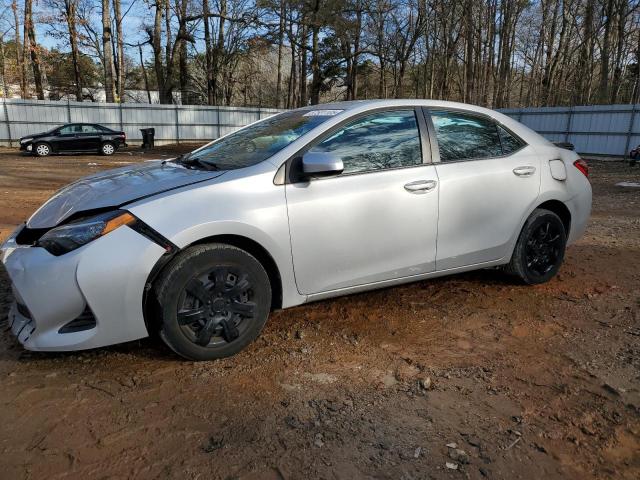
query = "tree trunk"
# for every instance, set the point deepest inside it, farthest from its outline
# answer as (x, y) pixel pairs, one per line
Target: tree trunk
(120, 50)
(620, 34)
(218, 70)
(157, 53)
(185, 94)
(303, 68)
(30, 34)
(70, 14)
(144, 74)
(356, 52)
(22, 65)
(208, 53)
(107, 50)
(280, 48)
(603, 89)
(316, 81)
(469, 86)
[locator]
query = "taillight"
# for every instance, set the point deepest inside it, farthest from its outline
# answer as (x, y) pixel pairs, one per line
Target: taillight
(582, 166)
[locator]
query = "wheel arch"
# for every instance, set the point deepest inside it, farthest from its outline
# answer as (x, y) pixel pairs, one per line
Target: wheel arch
(560, 209)
(245, 243)
(260, 253)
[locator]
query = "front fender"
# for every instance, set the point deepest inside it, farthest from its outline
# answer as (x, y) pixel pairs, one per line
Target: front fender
(224, 207)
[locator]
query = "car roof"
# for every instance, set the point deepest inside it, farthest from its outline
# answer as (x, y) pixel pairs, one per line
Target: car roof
(409, 102)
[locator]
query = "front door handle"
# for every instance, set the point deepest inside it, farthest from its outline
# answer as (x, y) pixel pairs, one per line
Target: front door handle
(525, 171)
(420, 186)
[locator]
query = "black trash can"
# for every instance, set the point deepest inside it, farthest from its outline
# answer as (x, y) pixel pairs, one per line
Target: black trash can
(148, 135)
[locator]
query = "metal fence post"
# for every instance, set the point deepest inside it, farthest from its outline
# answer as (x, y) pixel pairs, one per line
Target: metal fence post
(120, 111)
(6, 117)
(177, 124)
(567, 129)
(218, 122)
(68, 111)
(630, 130)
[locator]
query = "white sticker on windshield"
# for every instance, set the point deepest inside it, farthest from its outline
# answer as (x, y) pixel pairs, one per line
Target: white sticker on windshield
(322, 113)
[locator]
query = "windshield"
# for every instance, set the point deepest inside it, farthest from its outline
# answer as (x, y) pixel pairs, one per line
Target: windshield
(258, 142)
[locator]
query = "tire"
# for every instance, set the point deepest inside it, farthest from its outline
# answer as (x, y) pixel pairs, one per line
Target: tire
(107, 148)
(539, 251)
(223, 296)
(42, 149)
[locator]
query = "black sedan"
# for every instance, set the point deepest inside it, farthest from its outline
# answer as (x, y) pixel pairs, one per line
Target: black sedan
(74, 137)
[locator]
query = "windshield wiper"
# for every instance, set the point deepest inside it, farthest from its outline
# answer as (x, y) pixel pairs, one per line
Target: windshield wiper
(201, 163)
(191, 162)
(178, 159)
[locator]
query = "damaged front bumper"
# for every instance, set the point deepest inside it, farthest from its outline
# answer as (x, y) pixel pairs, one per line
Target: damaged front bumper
(90, 297)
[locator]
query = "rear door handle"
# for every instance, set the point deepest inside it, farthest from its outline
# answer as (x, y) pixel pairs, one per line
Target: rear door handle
(525, 171)
(420, 186)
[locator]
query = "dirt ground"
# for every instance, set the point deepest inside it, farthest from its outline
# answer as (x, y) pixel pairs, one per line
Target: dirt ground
(470, 376)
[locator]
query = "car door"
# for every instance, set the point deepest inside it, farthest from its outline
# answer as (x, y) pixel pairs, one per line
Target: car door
(489, 179)
(68, 138)
(89, 138)
(377, 220)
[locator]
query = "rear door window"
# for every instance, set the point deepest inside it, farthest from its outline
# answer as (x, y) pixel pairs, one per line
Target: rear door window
(464, 136)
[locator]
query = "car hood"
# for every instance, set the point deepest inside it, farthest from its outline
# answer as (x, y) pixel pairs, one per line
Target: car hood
(114, 188)
(35, 135)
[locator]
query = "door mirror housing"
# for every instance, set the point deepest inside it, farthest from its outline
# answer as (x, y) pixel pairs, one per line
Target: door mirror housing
(321, 164)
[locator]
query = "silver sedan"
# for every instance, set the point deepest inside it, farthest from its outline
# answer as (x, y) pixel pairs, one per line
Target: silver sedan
(305, 205)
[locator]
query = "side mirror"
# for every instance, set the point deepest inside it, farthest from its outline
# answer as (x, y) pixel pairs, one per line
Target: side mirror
(321, 164)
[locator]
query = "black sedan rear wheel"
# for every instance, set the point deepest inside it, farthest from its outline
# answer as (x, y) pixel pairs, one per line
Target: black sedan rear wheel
(213, 301)
(107, 148)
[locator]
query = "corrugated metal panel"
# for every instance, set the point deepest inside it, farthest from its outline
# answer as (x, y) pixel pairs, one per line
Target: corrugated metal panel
(593, 129)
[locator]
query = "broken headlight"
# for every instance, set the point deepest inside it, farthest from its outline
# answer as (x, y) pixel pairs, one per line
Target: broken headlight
(70, 236)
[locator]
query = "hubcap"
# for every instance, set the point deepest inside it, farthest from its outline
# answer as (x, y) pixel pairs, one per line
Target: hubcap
(108, 149)
(543, 248)
(214, 308)
(42, 150)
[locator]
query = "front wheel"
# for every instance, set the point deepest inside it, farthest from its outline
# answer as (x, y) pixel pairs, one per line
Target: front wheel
(42, 149)
(540, 249)
(213, 300)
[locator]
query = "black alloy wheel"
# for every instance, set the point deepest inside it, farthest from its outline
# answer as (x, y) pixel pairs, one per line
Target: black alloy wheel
(544, 247)
(539, 251)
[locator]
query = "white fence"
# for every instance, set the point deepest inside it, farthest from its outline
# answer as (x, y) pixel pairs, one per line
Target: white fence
(596, 129)
(173, 123)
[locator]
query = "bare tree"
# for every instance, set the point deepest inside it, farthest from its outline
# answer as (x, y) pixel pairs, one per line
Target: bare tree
(107, 48)
(22, 65)
(31, 45)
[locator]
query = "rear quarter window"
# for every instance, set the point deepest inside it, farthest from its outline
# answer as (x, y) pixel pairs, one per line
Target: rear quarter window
(510, 142)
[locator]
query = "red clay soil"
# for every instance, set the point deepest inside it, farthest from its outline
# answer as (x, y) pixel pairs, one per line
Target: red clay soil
(527, 382)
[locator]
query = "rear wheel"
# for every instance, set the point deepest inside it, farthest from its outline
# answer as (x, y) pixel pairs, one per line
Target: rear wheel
(42, 149)
(213, 301)
(107, 148)
(540, 248)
